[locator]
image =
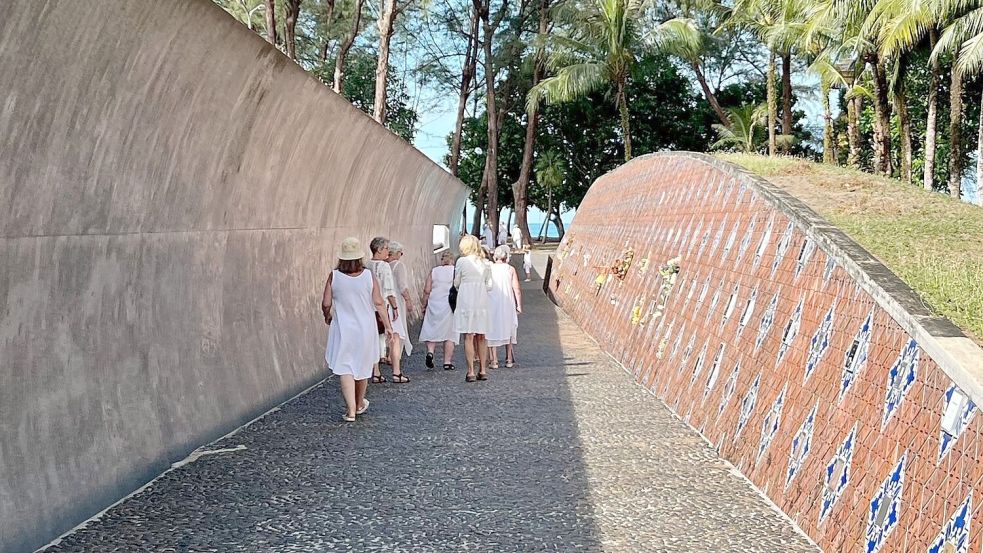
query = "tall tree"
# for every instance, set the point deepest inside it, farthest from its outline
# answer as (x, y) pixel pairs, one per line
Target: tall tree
(346, 45)
(599, 46)
(271, 21)
(391, 9)
(520, 189)
(468, 71)
(292, 12)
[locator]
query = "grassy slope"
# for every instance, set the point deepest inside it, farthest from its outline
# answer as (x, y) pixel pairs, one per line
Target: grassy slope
(934, 243)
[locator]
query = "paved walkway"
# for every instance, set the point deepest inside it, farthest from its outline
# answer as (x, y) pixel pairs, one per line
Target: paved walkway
(562, 453)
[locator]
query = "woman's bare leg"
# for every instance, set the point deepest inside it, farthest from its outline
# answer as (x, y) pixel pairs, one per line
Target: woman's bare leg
(360, 387)
(509, 354)
(348, 392)
(493, 353)
(469, 352)
(431, 347)
(396, 353)
(448, 352)
(482, 352)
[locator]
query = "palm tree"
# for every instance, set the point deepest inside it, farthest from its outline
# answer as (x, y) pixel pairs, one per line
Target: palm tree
(744, 132)
(550, 172)
(761, 16)
(599, 49)
(963, 38)
(830, 76)
(901, 26)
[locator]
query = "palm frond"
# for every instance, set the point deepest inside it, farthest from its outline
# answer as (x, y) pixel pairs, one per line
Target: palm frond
(569, 83)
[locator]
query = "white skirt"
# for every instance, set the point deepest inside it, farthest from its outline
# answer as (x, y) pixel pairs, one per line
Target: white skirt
(471, 315)
(438, 322)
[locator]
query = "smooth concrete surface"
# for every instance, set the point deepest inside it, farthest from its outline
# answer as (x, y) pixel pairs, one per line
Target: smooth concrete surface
(172, 192)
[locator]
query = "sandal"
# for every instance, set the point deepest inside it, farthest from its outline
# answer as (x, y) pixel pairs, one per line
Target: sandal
(449, 367)
(378, 379)
(469, 378)
(363, 409)
(400, 378)
(493, 365)
(482, 376)
(509, 364)
(348, 418)
(429, 360)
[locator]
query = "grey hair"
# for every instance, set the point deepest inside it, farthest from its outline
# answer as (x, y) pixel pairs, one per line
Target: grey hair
(395, 247)
(502, 253)
(378, 243)
(446, 256)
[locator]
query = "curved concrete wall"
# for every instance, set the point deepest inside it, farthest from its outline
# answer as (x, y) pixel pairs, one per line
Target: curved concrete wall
(172, 191)
(810, 366)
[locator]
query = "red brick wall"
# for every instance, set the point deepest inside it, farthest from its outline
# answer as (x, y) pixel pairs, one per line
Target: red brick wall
(785, 402)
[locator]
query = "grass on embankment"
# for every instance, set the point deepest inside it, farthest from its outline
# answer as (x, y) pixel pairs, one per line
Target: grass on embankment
(934, 243)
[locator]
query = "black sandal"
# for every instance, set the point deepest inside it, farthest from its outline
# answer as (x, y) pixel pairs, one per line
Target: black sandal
(449, 367)
(482, 376)
(400, 378)
(429, 360)
(378, 379)
(469, 378)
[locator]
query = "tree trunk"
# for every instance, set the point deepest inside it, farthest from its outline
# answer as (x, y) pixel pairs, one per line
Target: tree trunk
(955, 134)
(560, 231)
(292, 9)
(520, 190)
(625, 124)
(328, 23)
(546, 215)
(787, 94)
(829, 155)
(339, 62)
(479, 205)
(387, 21)
(467, 76)
(979, 154)
(491, 153)
(271, 22)
(904, 122)
(854, 107)
(710, 96)
(772, 106)
(928, 178)
(882, 114)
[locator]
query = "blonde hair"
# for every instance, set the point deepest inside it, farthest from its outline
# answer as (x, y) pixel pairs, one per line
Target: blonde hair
(470, 246)
(447, 257)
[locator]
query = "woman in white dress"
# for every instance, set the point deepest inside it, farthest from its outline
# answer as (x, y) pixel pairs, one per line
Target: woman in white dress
(506, 305)
(472, 277)
(379, 246)
(438, 320)
(404, 303)
(350, 302)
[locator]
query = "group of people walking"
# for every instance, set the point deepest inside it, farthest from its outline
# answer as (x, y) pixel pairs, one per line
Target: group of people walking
(475, 297)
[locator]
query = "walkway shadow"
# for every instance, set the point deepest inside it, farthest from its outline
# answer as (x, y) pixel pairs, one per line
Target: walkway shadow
(435, 465)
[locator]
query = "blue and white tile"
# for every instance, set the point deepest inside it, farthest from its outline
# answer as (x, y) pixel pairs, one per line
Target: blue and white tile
(900, 378)
(856, 356)
(885, 508)
(954, 536)
(836, 477)
(957, 412)
(801, 445)
(772, 422)
(819, 344)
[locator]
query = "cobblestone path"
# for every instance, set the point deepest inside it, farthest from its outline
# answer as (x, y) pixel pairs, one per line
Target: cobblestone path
(562, 453)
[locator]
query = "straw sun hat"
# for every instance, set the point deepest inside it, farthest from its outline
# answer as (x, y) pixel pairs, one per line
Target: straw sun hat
(351, 249)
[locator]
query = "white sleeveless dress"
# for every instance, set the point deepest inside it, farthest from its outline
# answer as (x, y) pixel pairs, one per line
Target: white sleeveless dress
(473, 281)
(401, 281)
(353, 343)
(438, 321)
(504, 321)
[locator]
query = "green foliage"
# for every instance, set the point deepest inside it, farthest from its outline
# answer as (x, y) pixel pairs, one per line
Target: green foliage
(745, 133)
(359, 88)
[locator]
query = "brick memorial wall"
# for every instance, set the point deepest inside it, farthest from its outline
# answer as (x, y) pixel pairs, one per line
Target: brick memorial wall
(805, 362)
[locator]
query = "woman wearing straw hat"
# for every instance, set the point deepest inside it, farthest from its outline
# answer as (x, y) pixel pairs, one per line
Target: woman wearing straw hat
(351, 296)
